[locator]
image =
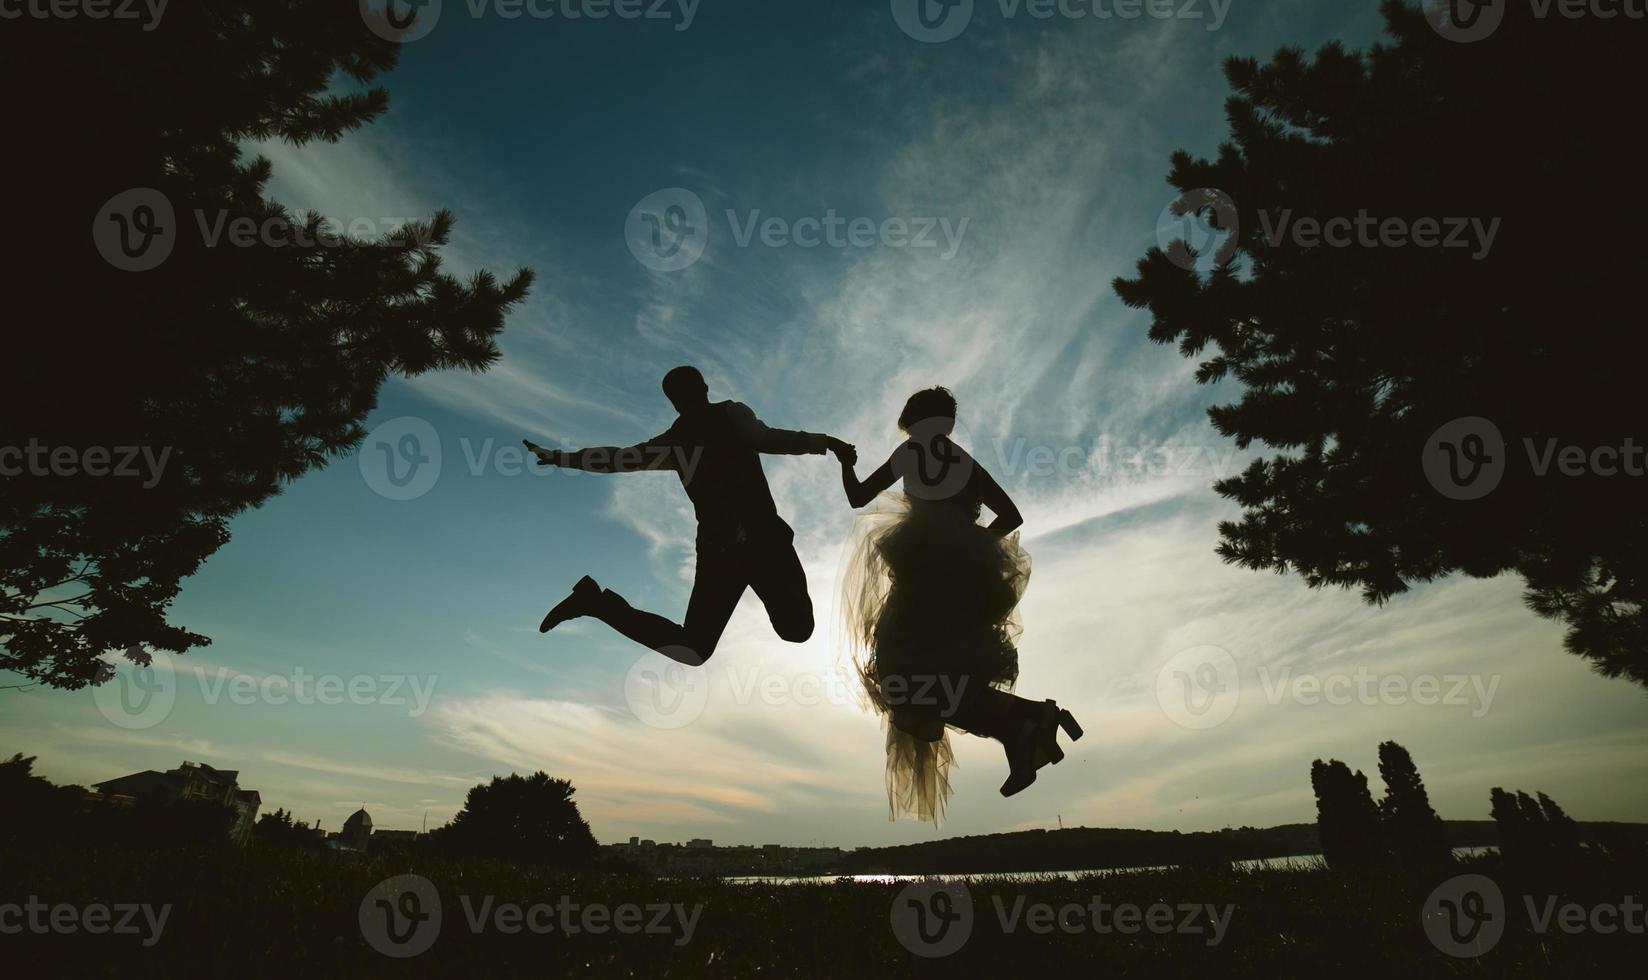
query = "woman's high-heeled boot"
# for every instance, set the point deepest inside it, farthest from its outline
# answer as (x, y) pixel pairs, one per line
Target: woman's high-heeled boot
(1036, 744)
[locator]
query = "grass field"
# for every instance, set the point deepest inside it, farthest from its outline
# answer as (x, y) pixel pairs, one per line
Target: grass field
(232, 913)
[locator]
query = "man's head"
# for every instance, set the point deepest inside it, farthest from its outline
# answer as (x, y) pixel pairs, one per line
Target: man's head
(685, 388)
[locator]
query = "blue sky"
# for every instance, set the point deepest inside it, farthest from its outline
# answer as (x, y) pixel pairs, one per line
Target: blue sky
(1043, 144)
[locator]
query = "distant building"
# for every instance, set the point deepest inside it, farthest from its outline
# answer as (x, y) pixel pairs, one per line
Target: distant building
(194, 781)
(700, 856)
(356, 832)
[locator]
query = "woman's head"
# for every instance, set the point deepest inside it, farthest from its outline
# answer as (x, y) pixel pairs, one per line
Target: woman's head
(934, 409)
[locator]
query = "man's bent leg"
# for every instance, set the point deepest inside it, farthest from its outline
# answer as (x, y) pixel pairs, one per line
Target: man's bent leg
(715, 592)
(646, 628)
(718, 582)
(776, 576)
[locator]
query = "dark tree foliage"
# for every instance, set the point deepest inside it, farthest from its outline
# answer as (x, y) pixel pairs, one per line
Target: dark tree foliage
(520, 818)
(1413, 831)
(247, 366)
(1533, 830)
(1346, 818)
(1350, 358)
(278, 829)
(32, 810)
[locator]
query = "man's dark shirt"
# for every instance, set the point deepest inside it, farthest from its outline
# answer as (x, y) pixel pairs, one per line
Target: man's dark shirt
(715, 450)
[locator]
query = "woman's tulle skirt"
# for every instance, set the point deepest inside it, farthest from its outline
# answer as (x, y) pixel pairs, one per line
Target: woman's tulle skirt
(930, 603)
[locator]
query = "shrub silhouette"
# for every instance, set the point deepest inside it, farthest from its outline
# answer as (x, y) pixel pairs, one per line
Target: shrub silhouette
(1346, 817)
(1412, 830)
(1533, 831)
(520, 818)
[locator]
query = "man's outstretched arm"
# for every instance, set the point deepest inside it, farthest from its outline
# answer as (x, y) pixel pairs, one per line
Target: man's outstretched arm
(766, 439)
(655, 454)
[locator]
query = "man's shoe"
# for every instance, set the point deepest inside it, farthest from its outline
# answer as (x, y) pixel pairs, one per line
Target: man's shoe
(581, 602)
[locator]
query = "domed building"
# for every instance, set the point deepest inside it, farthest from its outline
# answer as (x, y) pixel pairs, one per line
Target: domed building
(356, 831)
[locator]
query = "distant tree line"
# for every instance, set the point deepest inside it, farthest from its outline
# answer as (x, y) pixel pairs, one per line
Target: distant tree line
(524, 819)
(1403, 829)
(37, 813)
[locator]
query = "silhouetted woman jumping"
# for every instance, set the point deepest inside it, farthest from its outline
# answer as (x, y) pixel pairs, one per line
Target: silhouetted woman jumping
(930, 598)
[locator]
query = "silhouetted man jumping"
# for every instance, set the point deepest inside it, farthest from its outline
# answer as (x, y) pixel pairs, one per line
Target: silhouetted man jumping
(742, 542)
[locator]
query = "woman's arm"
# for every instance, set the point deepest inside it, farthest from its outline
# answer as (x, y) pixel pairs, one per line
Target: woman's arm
(859, 494)
(1008, 519)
